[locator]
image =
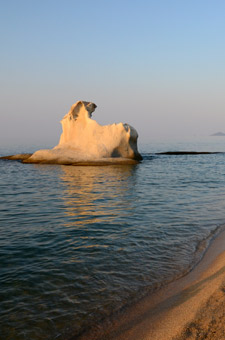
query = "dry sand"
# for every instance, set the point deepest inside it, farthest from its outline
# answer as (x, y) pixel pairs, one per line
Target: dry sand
(193, 307)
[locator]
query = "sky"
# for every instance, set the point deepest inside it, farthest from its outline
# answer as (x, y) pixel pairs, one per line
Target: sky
(157, 65)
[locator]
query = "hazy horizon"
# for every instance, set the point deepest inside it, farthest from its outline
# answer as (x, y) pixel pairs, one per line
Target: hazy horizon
(158, 66)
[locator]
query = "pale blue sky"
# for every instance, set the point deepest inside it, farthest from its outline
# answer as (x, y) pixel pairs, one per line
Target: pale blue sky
(158, 65)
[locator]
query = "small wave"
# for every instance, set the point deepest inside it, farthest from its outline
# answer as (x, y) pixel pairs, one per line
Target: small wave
(148, 156)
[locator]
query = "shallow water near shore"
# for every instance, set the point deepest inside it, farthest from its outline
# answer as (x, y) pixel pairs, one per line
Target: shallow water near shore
(77, 244)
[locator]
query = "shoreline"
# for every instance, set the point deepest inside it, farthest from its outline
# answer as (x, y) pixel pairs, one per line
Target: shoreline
(176, 310)
(184, 309)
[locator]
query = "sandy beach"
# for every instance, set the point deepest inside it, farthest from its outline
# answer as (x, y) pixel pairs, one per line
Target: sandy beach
(193, 307)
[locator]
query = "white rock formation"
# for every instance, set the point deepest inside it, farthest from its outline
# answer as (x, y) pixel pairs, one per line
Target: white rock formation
(83, 140)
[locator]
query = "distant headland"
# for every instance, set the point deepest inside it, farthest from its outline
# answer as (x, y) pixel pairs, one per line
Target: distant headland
(218, 134)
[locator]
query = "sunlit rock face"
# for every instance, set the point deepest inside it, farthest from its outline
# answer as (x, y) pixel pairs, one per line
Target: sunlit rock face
(84, 140)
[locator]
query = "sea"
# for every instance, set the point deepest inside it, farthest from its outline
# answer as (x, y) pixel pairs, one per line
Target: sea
(79, 245)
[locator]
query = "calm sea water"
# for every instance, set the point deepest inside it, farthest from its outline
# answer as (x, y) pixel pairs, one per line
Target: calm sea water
(79, 243)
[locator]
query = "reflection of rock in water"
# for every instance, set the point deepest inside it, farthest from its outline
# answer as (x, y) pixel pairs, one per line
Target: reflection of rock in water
(97, 194)
(83, 140)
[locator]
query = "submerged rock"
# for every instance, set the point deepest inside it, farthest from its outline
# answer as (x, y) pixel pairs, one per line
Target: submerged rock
(180, 153)
(84, 141)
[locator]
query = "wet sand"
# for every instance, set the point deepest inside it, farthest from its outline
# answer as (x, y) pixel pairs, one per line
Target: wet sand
(193, 307)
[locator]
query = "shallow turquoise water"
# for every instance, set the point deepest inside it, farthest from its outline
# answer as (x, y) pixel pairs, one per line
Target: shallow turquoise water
(79, 243)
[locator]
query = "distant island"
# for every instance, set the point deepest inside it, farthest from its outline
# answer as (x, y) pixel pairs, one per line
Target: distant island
(218, 134)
